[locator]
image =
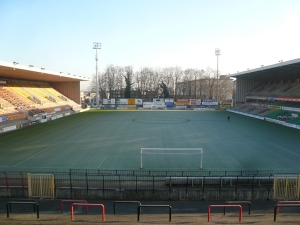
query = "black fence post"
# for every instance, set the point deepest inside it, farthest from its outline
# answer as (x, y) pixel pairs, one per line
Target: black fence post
(186, 184)
(103, 185)
(252, 186)
(220, 186)
(6, 183)
(87, 183)
(153, 183)
(269, 187)
(70, 179)
(22, 181)
(203, 186)
(120, 186)
(236, 186)
(170, 184)
(136, 182)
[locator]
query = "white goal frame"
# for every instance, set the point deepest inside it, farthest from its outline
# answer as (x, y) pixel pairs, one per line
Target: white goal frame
(200, 150)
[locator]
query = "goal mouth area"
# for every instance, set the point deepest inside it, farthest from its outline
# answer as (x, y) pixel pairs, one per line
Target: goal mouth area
(175, 154)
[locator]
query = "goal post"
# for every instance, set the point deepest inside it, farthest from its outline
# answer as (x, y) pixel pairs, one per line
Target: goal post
(173, 152)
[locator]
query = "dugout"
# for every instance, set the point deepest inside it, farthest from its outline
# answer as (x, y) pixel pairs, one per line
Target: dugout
(277, 82)
(68, 85)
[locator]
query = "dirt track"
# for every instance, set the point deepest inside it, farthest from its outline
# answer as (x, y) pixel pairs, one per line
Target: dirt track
(182, 213)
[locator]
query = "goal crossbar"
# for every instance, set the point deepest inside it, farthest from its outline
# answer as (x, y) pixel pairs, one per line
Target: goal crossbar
(168, 151)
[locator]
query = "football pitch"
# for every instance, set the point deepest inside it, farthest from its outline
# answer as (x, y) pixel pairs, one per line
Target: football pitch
(112, 140)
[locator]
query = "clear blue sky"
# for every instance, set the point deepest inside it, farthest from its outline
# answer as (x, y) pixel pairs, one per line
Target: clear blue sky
(58, 34)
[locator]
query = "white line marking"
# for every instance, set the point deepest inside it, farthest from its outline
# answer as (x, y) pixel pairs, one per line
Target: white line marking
(34, 155)
(285, 149)
(101, 162)
(237, 163)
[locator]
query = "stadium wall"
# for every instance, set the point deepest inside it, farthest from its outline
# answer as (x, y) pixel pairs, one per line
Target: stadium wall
(242, 87)
(69, 89)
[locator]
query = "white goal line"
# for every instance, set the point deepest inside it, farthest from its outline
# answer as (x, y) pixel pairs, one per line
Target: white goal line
(155, 151)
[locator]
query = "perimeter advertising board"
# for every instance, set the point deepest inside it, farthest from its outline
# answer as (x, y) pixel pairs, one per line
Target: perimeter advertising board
(3, 118)
(209, 102)
(147, 105)
(139, 101)
(131, 101)
(109, 101)
(182, 102)
(158, 100)
(121, 101)
(169, 102)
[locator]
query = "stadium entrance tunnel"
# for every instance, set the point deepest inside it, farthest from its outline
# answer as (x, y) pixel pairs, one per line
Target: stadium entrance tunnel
(160, 120)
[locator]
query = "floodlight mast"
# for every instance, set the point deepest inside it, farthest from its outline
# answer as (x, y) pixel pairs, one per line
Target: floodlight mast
(217, 53)
(97, 45)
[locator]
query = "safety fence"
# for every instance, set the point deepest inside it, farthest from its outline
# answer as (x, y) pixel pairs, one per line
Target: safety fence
(116, 184)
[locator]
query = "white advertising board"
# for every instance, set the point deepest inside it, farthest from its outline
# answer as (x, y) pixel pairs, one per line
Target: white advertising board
(139, 101)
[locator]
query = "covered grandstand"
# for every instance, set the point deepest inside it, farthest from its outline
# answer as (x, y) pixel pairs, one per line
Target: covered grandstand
(32, 95)
(270, 92)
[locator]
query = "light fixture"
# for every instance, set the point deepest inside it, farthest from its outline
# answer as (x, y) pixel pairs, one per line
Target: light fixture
(217, 53)
(30, 66)
(97, 45)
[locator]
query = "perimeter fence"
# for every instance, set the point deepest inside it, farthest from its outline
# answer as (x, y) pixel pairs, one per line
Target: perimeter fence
(138, 184)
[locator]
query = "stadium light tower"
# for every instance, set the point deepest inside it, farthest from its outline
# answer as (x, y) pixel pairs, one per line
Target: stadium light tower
(217, 53)
(97, 45)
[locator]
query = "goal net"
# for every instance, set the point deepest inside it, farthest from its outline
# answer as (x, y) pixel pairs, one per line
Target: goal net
(171, 158)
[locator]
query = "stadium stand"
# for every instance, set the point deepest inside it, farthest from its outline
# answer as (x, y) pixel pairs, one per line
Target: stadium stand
(272, 94)
(18, 101)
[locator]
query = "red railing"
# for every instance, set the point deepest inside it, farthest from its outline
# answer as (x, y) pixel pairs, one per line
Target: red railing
(72, 201)
(87, 204)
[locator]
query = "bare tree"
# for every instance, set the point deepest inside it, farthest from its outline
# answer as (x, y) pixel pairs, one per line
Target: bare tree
(146, 82)
(142, 79)
(120, 85)
(200, 84)
(128, 78)
(167, 78)
(210, 76)
(177, 74)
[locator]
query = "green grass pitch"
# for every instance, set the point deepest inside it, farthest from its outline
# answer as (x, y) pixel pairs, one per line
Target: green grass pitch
(111, 140)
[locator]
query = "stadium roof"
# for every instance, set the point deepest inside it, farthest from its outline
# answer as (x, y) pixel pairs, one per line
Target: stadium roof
(16, 71)
(281, 70)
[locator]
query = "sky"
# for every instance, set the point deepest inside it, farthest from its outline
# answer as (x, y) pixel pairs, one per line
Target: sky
(58, 35)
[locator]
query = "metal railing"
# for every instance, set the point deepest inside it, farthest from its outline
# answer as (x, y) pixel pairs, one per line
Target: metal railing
(103, 181)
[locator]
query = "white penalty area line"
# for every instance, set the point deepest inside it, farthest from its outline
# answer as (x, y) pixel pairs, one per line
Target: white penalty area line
(115, 157)
(285, 149)
(226, 157)
(34, 155)
(102, 162)
(237, 163)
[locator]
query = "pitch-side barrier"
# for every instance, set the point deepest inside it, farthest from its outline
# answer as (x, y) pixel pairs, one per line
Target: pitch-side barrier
(213, 180)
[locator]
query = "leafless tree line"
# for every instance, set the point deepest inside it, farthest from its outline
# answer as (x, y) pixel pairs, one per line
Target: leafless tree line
(182, 84)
